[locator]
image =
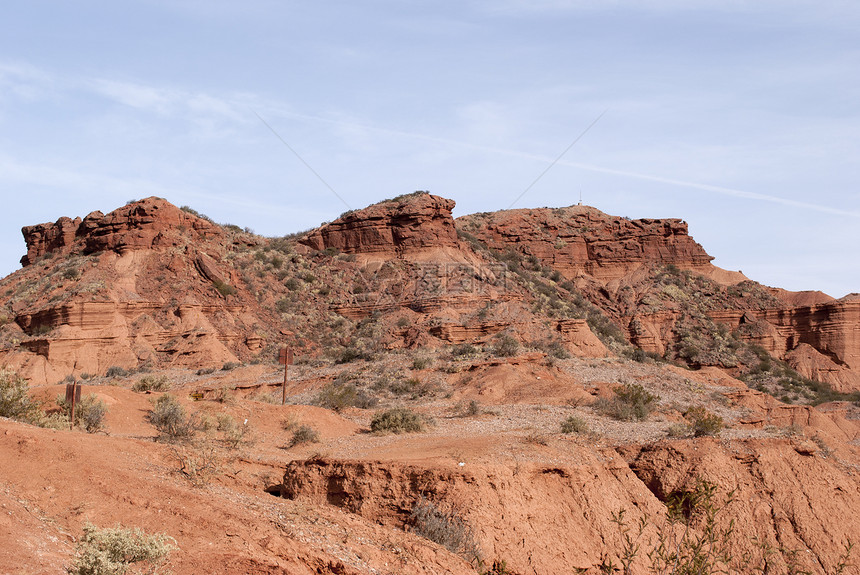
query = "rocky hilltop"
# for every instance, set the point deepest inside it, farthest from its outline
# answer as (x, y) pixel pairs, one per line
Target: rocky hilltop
(572, 376)
(406, 225)
(615, 262)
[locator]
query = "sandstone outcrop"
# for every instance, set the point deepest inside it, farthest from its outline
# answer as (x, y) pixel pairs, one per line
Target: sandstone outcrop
(582, 239)
(145, 224)
(551, 519)
(396, 227)
(821, 341)
(610, 259)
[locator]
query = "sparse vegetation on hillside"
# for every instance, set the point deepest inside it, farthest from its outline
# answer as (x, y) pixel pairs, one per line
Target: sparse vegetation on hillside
(574, 424)
(446, 528)
(631, 402)
(397, 420)
(304, 434)
(170, 418)
(15, 402)
(90, 412)
(152, 383)
(113, 550)
(338, 396)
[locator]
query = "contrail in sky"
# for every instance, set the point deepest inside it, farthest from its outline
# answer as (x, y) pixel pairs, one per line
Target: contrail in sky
(623, 173)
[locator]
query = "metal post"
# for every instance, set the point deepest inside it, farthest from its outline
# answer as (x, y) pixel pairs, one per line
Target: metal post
(284, 394)
(285, 358)
(73, 395)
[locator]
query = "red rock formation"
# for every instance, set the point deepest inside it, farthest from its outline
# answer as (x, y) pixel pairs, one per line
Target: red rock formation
(558, 518)
(582, 239)
(579, 339)
(146, 224)
(821, 342)
(43, 238)
(417, 221)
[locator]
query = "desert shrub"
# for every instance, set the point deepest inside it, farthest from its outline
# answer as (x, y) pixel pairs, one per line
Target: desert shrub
(233, 434)
(679, 430)
(445, 528)
(574, 424)
(292, 284)
(224, 289)
(170, 418)
(56, 420)
(304, 434)
(421, 362)
(688, 550)
(631, 403)
(354, 352)
(71, 273)
(90, 412)
(411, 386)
(198, 462)
(463, 349)
(403, 322)
(230, 365)
(116, 371)
(505, 346)
(703, 422)
(152, 383)
(284, 305)
(225, 395)
(339, 396)
(14, 401)
(467, 409)
(205, 370)
(554, 348)
(397, 420)
(110, 551)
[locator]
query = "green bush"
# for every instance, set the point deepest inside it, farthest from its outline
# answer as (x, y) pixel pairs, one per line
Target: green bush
(110, 551)
(304, 434)
(574, 424)
(703, 423)
(631, 403)
(505, 346)
(90, 412)
(339, 396)
(116, 371)
(152, 383)
(224, 289)
(170, 418)
(397, 420)
(14, 401)
(411, 386)
(445, 528)
(463, 349)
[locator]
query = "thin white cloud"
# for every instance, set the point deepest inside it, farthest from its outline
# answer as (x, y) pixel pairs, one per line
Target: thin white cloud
(743, 194)
(142, 97)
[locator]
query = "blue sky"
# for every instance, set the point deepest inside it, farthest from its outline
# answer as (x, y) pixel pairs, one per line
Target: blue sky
(741, 117)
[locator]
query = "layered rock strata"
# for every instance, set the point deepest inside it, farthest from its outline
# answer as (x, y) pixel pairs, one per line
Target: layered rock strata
(417, 221)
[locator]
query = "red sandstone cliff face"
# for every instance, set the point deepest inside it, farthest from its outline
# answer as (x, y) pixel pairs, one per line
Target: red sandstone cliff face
(411, 258)
(414, 222)
(615, 262)
(582, 239)
(135, 286)
(146, 224)
(555, 519)
(822, 342)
